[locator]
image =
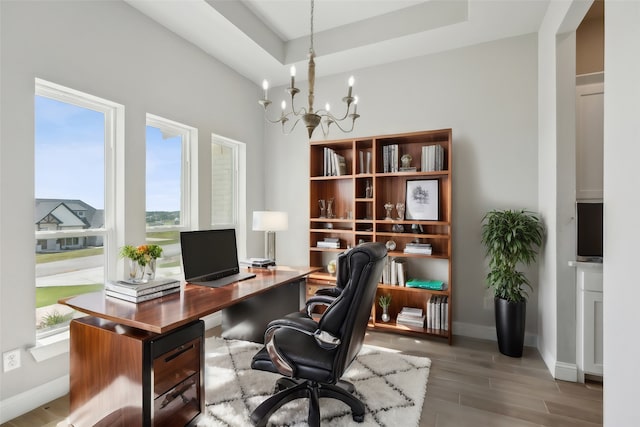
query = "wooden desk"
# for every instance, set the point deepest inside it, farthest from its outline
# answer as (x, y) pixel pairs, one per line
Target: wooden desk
(143, 364)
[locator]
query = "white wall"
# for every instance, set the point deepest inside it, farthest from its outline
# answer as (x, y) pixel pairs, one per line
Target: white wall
(487, 95)
(621, 207)
(110, 50)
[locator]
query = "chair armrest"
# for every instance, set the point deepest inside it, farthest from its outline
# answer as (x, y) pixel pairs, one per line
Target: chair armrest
(317, 300)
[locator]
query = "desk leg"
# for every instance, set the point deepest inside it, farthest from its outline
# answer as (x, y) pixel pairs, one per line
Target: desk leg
(248, 319)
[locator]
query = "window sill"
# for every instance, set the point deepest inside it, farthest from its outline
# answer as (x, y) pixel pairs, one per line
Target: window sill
(51, 346)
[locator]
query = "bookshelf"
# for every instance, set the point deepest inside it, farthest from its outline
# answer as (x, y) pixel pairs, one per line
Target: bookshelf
(360, 176)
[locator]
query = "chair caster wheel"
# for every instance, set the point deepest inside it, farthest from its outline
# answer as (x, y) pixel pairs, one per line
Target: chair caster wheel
(358, 418)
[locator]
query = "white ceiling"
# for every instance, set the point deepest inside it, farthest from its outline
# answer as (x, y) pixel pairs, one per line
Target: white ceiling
(263, 38)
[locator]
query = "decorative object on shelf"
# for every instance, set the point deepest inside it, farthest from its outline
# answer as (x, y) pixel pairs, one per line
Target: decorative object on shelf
(331, 267)
(270, 222)
(422, 200)
(400, 210)
(142, 261)
(310, 117)
(385, 301)
(397, 228)
(391, 245)
(388, 207)
(417, 229)
(330, 208)
(368, 191)
(405, 161)
(323, 208)
(511, 238)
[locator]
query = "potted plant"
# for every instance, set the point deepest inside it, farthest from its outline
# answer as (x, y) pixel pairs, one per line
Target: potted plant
(385, 301)
(142, 260)
(511, 238)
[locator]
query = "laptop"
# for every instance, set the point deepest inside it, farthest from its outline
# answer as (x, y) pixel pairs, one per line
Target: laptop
(210, 258)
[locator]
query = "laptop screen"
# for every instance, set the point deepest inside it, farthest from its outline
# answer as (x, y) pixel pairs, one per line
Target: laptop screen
(209, 254)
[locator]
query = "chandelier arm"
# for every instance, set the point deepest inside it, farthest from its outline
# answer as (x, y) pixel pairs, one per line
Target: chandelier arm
(337, 123)
(292, 127)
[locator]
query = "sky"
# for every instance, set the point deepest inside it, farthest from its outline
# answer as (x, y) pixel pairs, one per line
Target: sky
(69, 157)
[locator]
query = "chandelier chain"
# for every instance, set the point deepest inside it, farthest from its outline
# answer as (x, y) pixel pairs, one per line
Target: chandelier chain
(311, 37)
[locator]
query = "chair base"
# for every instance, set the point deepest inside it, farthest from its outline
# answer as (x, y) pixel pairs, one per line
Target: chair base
(290, 389)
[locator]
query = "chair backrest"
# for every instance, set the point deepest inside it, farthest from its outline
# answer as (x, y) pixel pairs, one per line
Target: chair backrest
(347, 317)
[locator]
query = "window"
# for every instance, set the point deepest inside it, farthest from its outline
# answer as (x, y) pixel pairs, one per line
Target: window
(228, 187)
(168, 195)
(74, 173)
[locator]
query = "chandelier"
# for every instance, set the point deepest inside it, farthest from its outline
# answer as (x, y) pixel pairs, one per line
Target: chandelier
(309, 116)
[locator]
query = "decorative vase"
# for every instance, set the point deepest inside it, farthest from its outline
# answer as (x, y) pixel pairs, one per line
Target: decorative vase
(385, 314)
(149, 270)
(136, 271)
(510, 325)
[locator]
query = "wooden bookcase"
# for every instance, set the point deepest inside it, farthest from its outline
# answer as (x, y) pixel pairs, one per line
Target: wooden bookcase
(359, 215)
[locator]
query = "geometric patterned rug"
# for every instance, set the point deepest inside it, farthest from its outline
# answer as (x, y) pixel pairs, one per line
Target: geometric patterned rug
(391, 385)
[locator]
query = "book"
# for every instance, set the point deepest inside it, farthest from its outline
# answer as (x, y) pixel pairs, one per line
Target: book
(136, 289)
(331, 245)
(434, 285)
(402, 272)
(411, 311)
(141, 298)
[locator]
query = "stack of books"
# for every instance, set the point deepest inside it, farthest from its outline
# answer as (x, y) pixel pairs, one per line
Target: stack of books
(418, 248)
(432, 158)
(433, 285)
(334, 163)
(437, 313)
(329, 242)
(410, 316)
(139, 292)
(395, 272)
(261, 262)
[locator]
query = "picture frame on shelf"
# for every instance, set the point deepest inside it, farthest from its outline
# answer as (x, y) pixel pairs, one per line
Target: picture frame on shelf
(422, 200)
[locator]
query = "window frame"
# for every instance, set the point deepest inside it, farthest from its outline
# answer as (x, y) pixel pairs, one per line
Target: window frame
(188, 204)
(239, 158)
(113, 141)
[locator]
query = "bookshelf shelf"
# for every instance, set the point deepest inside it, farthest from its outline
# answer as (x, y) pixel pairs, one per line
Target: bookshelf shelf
(367, 179)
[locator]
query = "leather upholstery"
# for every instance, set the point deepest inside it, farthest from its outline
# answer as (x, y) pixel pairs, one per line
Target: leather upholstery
(294, 342)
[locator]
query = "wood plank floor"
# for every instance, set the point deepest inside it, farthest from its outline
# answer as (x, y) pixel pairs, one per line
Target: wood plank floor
(470, 384)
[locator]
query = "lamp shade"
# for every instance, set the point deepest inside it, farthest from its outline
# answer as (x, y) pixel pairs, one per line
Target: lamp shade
(270, 221)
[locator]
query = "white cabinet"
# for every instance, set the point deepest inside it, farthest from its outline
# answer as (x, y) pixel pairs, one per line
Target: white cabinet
(589, 312)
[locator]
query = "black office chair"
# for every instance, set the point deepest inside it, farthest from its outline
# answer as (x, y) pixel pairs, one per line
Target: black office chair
(313, 355)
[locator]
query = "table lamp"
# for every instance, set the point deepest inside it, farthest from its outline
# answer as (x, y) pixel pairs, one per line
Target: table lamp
(270, 222)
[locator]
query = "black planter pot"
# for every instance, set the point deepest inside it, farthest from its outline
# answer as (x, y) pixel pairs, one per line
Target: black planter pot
(510, 323)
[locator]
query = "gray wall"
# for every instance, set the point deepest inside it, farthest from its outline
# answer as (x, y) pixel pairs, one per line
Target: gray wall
(488, 95)
(110, 50)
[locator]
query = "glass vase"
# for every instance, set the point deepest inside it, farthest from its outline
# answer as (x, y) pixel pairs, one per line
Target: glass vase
(136, 271)
(149, 270)
(385, 314)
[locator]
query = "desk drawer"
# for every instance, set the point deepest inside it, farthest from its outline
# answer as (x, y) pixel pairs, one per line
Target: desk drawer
(179, 405)
(175, 366)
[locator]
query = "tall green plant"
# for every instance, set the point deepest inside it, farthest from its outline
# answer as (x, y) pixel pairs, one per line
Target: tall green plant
(510, 237)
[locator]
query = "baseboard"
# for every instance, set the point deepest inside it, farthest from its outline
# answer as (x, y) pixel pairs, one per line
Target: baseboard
(566, 372)
(31, 399)
(487, 333)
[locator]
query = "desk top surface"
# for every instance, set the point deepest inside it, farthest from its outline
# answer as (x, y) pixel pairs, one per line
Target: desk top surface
(163, 314)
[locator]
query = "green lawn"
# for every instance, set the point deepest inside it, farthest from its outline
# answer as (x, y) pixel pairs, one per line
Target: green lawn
(51, 294)
(59, 256)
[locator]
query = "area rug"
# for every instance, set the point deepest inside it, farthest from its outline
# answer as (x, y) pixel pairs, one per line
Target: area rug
(391, 385)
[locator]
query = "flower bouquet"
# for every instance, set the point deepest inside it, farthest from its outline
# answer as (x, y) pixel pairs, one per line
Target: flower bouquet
(142, 261)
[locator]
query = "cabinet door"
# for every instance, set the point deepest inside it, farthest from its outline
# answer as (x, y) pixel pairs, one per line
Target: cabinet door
(589, 141)
(593, 333)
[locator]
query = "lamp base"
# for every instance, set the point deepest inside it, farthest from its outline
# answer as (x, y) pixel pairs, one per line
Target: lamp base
(270, 245)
